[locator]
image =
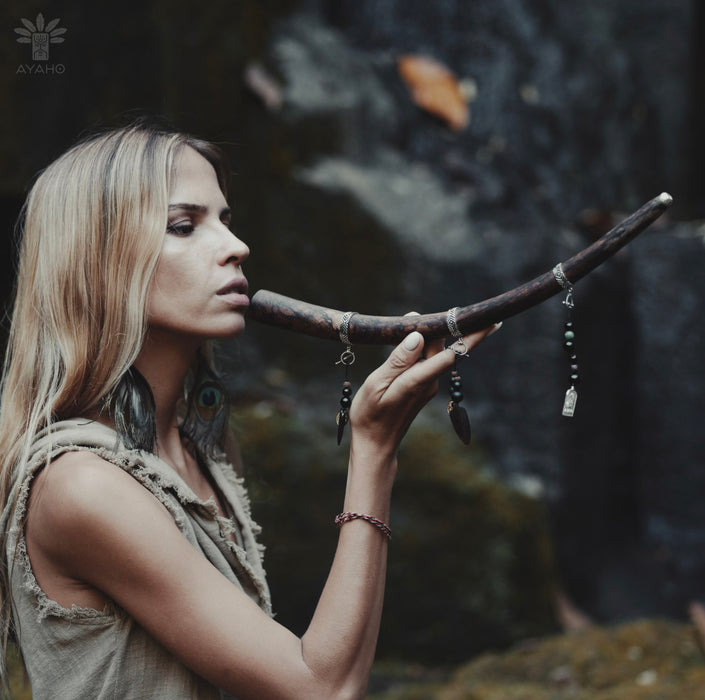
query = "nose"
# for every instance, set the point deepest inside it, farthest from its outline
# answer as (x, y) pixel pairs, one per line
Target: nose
(234, 249)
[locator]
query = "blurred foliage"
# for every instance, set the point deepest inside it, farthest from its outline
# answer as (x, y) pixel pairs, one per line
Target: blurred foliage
(470, 565)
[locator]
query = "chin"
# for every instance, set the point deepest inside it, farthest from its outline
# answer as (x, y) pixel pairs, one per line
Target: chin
(232, 331)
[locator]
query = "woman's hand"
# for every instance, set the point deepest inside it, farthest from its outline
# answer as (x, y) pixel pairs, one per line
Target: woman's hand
(391, 397)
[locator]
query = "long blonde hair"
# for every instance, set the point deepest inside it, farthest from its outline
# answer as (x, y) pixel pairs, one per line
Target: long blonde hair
(91, 232)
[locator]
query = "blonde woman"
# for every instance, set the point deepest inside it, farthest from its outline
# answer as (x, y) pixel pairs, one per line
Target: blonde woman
(131, 568)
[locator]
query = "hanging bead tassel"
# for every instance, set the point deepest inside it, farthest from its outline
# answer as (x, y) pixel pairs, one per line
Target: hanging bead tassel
(346, 358)
(458, 415)
(342, 418)
(571, 395)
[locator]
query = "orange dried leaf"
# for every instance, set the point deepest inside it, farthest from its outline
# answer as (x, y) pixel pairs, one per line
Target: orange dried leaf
(434, 88)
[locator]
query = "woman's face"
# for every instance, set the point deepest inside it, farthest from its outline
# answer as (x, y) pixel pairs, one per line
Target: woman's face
(199, 290)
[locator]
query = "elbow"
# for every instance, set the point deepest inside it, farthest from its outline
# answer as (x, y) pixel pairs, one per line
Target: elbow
(356, 691)
(351, 690)
(352, 687)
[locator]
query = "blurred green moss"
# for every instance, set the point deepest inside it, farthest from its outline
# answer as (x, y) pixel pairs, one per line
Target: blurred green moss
(642, 660)
(470, 566)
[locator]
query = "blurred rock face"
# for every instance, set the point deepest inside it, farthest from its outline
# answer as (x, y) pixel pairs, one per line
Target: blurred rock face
(353, 195)
(562, 133)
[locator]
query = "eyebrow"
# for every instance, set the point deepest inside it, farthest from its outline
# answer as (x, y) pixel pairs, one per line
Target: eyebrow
(198, 208)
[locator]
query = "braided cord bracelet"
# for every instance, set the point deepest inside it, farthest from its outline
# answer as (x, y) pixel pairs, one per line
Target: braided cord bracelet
(343, 518)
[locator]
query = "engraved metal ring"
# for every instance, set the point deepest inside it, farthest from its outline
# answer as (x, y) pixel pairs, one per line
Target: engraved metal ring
(344, 327)
(561, 278)
(452, 323)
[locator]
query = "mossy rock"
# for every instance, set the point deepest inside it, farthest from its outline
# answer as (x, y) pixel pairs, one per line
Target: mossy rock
(643, 660)
(470, 565)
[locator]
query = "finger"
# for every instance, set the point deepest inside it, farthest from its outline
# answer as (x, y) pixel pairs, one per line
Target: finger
(402, 365)
(431, 347)
(436, 364)
(401, 358)
(474, 339)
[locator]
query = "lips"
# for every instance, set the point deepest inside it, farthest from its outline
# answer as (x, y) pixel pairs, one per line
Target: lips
(238, 286)
(235, 293)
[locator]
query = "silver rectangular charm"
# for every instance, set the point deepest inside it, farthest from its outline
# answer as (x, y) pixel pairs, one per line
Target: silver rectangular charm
(571, 398)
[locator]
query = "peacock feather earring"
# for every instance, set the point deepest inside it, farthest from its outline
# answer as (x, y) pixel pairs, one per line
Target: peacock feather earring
(206, 410)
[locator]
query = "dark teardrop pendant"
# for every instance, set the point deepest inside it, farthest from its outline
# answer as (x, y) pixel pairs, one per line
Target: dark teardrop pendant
(459, 419)
(341, 419)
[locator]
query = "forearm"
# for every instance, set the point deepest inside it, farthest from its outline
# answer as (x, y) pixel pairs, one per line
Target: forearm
(340, 642)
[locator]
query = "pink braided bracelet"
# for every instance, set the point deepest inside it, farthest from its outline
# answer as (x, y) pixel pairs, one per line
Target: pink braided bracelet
(347, 517)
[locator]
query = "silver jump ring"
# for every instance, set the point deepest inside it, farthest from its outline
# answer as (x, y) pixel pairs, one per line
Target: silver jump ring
(459, 348)
(347, 357)
(561, 278)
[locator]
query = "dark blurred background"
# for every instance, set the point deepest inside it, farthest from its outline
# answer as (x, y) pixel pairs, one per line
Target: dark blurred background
(354, 195)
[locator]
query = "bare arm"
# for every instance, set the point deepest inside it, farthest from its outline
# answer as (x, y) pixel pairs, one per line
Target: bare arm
(100, 527)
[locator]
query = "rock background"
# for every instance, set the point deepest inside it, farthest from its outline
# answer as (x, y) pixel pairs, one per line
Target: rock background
(352, 197)
(641, 660)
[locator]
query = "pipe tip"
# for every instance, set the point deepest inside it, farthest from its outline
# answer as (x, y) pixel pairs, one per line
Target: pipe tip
(665, 198)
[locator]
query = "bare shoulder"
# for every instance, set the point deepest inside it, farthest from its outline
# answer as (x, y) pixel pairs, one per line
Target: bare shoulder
(79, 475)
(80, 497)
(82, 483)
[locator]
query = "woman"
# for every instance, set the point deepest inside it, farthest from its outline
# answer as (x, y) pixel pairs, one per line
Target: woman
(131, 568)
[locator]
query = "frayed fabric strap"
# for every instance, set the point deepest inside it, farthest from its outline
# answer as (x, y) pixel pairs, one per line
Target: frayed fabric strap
(343, 518)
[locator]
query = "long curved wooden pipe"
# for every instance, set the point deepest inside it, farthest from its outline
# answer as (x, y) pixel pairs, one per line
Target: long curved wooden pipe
(309, 319)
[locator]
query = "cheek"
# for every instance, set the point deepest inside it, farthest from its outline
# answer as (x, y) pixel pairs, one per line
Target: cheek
(171, 287)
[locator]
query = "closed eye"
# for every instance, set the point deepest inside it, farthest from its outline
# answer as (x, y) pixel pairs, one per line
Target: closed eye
(184, 228)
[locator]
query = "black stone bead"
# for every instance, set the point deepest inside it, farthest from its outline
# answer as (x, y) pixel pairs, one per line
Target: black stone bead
(569, 325)
(575, 378)
(347, 391)
(574, 368)
(573, 358)
(345, 402)
(457, 396)
(569, 345)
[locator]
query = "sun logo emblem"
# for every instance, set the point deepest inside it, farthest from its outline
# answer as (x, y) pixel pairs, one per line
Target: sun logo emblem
(40, 36)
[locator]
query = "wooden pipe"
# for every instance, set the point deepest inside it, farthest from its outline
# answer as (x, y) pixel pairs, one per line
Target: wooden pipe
(301, 317)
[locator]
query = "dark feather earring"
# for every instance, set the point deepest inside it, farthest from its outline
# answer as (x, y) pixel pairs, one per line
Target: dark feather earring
(131, 407)
(206, 410)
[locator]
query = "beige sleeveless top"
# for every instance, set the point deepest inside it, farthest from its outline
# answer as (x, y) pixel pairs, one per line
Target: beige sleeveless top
(89, 654)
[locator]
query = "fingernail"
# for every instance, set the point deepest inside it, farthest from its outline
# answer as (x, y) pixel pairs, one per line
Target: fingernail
(497, 326)
(412, 340)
